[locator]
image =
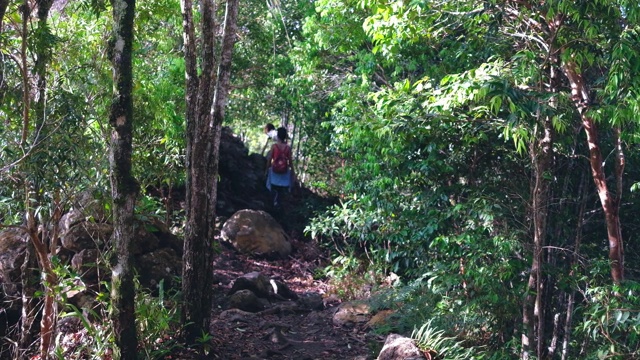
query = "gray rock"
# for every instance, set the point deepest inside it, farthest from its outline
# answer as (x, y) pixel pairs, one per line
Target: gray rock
(257, 233)
(246, 300)
(86, 263)
(397, 347)
(144, 241)
(254, 281)
(86, 235)
(311, 301)
(160, 264)
(281, 291)
(13, 243)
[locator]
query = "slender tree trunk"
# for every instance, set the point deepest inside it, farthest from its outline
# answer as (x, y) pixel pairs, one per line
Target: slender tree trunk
(191, 310)
(206, 98)
(29, 282)
(37, 252)
(199, 227)
(3, 9)
(610, 204)
(124, 187)
(533, 311)
(542, 155)
(29, 267)
(224, 71)
(50, 306)
(223, 85)
(26, 88)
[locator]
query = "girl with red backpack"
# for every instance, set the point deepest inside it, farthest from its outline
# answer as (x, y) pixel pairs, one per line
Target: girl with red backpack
(280, 174)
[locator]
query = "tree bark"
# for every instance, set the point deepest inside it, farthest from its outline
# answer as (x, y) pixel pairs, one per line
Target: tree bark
(533, 311)
(200, 218)
(26, 88)
(542, 155)
(50, 305)
(124, 187)
(610, 204)
(206, 98)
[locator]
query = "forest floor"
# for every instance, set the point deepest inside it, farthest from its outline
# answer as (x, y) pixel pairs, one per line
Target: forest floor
(282, 334)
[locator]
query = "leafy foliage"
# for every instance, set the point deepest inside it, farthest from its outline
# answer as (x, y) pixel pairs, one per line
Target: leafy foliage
(434, 135)
(611, 321)
(420, 117)
(435, 343)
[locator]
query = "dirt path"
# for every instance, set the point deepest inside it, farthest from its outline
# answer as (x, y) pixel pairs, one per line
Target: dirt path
(282, 331)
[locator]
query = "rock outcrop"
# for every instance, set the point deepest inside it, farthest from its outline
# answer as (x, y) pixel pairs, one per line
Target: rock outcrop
(13, 243)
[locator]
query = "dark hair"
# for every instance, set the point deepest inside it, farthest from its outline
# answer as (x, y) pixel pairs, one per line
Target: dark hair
(270, 127)
(282, 134)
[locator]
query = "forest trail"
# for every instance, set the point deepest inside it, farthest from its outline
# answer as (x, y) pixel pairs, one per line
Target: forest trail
(282, 331)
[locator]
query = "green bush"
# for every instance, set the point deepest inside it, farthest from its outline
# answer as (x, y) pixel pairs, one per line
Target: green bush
(610, 323)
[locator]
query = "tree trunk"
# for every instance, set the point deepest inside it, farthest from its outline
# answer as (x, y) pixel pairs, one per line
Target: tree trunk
(533, 314)
(124, 187)
(200, 218)
(533, 310)
(26, 99)
(204, 120)
(50, 305)
(206, 98)
(610, 204)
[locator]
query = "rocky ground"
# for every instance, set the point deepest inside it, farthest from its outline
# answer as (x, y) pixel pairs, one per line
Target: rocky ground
(283, 330)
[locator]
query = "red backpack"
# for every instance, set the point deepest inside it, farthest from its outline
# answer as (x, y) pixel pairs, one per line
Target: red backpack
(280, 158)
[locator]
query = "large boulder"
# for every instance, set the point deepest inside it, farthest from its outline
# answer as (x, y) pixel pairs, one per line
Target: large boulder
(255, 232)
(13, 245)
(88, 263)
(87, 206)
(85, 235)
(242, 182)
(311, 301)
(162, 264)
(398, 347)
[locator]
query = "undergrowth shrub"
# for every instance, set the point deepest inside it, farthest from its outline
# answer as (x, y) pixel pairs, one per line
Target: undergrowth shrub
(349, 278)
(610, 323)
(95, 339)
(434, 342)
(157, 320)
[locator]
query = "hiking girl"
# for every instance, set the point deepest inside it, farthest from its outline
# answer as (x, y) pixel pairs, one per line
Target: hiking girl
(280, 174)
